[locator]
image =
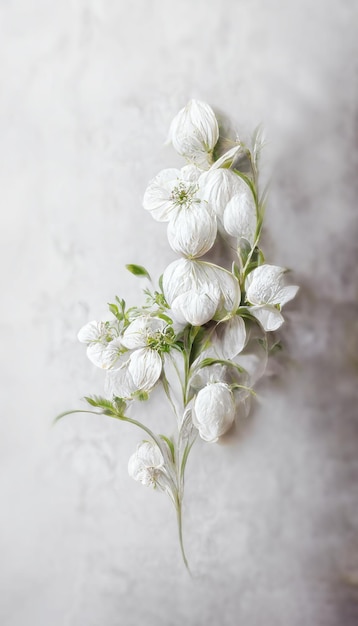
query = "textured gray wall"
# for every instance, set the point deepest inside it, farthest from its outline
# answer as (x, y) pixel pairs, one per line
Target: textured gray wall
(89, 88)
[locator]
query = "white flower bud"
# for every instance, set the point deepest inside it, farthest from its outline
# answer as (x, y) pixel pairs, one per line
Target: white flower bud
(194, 133)
(239, 217)
(265, 290)
(218, 186)
(146, 464)
(214, 411)
(192, 232)
(198, 291)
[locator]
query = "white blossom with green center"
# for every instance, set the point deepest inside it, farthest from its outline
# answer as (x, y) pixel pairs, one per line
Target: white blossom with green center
(147, 338)
(171, 190)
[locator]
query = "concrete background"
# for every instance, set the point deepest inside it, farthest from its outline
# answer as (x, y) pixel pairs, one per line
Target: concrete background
(88, 89)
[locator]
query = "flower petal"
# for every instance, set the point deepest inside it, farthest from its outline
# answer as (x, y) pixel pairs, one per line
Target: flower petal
(194, 132)
(214, 411)
(229, 338)
(268, 316)
(119, 382)
(240, 216)
(146, 464)
(198, 307)
(285, 294)
(192, 232)
(145, 367)
(157, 197)
(104, 355)
(218, 186)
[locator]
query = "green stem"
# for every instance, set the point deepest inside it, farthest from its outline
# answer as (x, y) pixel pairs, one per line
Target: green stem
(180, 531)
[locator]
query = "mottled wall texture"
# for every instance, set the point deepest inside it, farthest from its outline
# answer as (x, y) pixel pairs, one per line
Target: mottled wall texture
(88, 89)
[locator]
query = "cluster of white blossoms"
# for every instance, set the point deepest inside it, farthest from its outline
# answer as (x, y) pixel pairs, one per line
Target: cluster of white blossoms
(203, 336)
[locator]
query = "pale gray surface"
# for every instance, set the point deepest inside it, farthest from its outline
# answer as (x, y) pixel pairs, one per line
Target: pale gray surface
(88, 91)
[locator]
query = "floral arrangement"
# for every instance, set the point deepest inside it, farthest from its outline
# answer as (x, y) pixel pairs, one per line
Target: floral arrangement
(204, 334)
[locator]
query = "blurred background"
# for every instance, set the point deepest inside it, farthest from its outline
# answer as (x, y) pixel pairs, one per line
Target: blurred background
(89, 88)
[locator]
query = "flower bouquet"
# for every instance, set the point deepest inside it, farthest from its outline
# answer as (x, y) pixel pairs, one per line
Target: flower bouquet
(203, 334)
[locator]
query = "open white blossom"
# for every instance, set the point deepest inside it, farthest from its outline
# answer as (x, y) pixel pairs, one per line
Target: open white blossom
(194, 133)
(239, 218)
(140, 369)
(218, 186)
(213, 411)
(192, 232)
(267, 293)
(147, 465)
(198, 291)
(171, 190)
(103, 343)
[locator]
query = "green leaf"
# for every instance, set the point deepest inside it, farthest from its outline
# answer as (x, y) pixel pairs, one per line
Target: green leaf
(208, 362)
(249, 183)
(164, 317)
(98, 401)
(120, 404)
(243, 251)
(276, 347)
(236, 270)
(115, 311)
(138, 270)
(115, 408)
(200, 341)
(249, 389)
(170, 445)
(187, 449)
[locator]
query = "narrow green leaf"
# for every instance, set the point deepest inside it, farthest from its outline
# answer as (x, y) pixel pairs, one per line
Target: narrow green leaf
(102, 403)
(164, 317)
(170, 445)
(249, 389)
(115, 311)
(208, 362)
(249, 183)
(138, 270)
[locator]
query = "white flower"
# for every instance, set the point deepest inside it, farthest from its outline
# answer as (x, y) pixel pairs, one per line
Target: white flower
(194, 133)
(213, 411)
(192, 232)
(266, 291)
(103, 343)
(198, 291)
(218, 186)
(171, 190)
(147, 464)
(142, 368)
(239, 217)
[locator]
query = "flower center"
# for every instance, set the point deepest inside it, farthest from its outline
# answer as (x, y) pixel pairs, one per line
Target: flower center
(184, 194)
(161, 341)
